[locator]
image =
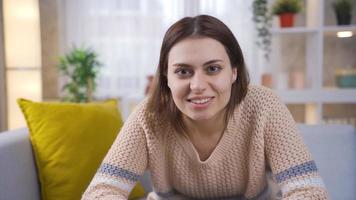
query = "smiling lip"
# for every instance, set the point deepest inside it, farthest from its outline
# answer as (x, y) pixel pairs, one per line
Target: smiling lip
(200, 102)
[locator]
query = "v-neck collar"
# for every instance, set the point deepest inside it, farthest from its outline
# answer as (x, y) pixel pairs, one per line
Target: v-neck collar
(221, 149)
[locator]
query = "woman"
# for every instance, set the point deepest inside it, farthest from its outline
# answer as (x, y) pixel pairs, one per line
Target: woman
(204, 133)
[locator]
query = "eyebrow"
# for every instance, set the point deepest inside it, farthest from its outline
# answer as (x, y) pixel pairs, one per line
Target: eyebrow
(206, 63)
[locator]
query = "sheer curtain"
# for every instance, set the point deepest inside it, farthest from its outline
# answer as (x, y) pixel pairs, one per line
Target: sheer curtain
(127, 35)
(237, 15)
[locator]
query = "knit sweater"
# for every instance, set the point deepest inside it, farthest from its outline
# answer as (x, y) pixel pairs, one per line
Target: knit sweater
(261, 132)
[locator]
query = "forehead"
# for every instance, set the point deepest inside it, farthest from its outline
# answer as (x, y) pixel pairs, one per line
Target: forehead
(196, 50)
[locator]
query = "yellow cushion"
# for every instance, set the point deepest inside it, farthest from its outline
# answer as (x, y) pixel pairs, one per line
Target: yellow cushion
(69, 141)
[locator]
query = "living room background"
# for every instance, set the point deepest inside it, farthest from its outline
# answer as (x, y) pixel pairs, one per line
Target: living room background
(127, 36)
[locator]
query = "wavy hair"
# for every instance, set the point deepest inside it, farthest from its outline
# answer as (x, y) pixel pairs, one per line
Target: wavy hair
(160, 98)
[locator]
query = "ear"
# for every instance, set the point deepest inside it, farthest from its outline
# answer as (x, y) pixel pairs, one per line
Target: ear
(234, 74)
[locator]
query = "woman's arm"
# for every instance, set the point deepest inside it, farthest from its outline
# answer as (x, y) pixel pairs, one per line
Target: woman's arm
(123, 165)
(288, 157)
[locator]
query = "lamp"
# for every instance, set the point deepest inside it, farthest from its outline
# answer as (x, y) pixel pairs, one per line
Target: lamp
(343, 34)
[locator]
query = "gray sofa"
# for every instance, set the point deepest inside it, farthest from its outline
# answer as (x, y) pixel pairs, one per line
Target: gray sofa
(333, 148)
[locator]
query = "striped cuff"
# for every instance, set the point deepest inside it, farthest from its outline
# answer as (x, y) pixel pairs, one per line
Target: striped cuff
(315, 181)
(100, 179)
(116, 171)
(296, 171)
(300, 176)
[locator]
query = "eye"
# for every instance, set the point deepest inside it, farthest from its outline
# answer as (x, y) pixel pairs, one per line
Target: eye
(213, 69)
(183, 72)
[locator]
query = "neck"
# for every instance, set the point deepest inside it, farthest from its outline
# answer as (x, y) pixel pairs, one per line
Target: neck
(207, 127)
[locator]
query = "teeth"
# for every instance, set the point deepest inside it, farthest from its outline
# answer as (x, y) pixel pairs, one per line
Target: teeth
(200, 101)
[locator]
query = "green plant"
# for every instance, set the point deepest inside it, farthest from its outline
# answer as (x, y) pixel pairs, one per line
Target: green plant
(263, 23)
(286, 6)
(80, 66)
(343, 11)
(343, 6)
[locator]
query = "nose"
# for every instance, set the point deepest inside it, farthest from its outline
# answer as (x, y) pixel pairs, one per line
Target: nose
(198, 83)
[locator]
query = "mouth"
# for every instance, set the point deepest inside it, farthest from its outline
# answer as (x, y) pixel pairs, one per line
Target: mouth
(200, 101)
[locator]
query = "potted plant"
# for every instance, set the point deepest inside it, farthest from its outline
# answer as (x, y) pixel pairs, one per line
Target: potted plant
(80, 66)
(343, 10)
(346, 77)
(286, 9)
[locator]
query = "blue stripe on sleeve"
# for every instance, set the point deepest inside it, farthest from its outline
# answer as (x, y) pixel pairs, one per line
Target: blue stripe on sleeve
(297, 170)
(118, 172)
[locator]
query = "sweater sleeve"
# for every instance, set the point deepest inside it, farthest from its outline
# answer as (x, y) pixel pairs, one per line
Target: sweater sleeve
(290, 161)
(124, 163)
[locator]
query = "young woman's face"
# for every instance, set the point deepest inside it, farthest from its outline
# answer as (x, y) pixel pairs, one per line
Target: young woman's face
(200, 77)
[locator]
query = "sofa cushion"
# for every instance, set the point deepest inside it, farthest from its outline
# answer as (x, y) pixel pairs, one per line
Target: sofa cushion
(333, 148)
(69, 141)
(18, 177)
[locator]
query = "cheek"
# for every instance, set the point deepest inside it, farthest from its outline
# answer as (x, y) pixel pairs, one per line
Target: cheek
(223, 86)
(178, 88)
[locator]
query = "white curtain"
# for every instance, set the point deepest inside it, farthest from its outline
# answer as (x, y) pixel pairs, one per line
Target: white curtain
(237, 15)
(127, 35)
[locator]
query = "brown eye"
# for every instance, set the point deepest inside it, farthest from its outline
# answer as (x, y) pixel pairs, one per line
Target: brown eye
(183, 72)
(213, 69)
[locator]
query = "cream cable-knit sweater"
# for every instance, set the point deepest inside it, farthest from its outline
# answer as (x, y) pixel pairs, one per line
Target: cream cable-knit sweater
(262, 132)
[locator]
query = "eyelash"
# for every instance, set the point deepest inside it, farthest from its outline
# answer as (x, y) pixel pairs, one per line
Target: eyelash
(180, 70)
(218, 68)
(188, 72)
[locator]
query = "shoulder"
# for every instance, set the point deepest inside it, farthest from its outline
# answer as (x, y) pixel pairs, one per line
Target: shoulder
(143, 117)
(260, 95)
(260, 100)
(139, 111)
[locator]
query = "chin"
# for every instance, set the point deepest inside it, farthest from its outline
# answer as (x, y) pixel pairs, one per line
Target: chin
(200, 117)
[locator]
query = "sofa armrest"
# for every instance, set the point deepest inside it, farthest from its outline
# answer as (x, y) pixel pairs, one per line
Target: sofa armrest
(17, 167)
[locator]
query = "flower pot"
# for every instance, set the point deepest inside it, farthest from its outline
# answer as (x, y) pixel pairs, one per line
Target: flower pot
(346, 78)
(267, 80)
(286, 19)
(343, 18)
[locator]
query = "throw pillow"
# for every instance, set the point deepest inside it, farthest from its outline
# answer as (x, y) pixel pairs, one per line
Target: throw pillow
(69, 141)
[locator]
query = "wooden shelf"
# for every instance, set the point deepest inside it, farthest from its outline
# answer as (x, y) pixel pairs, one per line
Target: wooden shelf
(293, 30)
(327, 95)
(334, 29)
(315, 35)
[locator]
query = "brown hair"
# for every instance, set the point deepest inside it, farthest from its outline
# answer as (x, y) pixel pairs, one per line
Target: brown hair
(161, 100)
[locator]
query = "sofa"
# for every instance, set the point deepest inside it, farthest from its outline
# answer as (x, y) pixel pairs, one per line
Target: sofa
(332, 146)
